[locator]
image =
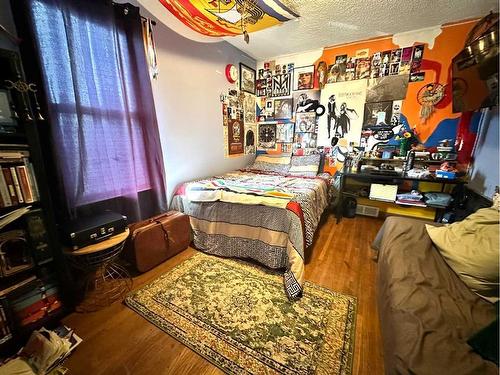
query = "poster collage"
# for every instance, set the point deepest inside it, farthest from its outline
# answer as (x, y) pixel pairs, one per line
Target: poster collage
(356, 101)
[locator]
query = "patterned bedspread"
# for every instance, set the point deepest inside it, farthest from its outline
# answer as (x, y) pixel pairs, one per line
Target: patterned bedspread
(268, 218)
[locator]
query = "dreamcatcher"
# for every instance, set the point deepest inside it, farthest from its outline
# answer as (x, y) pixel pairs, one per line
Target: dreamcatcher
(428, 96)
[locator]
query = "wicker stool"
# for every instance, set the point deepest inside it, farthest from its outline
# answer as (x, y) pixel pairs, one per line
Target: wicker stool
(105, 280)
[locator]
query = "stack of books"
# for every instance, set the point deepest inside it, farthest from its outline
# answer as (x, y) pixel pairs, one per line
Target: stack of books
(45, 352)
(17, 181)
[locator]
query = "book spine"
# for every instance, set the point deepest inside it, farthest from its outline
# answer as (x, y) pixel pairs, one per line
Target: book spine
(25, 186)
(10, 185)
(32, 181)
(17, 186)
(4, 192)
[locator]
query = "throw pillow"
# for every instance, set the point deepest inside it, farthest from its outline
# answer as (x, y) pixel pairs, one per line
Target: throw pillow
(471, 249)
(272, 163)
(307, 166)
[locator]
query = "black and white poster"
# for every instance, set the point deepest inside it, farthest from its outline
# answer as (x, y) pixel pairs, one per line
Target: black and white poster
(377, 114)
(283, 108)
(281, 84)
(308, 101)
(345, 104)
(305, 122)
(267, 136)
(387, 88)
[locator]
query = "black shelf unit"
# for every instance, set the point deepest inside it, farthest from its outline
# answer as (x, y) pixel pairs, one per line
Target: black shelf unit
(53, 269)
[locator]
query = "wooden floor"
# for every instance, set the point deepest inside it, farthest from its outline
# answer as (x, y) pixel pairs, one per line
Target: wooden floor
(119, 341)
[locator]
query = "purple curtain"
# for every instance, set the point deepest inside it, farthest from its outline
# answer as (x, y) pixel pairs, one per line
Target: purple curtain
(101, 109)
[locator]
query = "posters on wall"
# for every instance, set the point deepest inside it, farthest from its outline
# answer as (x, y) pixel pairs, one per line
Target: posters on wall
(305, 122)
(281, 84)
(388, 88)
(283, 108)
(267, 136)
(250, 138)
(345, 103)
(303, 78)
(307, 101)
(235, 137)
(249, 109)
(284, 132)
(377, 113)
(382, 122)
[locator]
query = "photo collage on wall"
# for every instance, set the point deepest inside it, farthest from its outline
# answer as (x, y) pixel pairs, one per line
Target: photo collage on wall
(300, 109)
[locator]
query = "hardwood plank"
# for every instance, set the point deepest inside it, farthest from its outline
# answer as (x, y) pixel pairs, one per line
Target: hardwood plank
(119, 341)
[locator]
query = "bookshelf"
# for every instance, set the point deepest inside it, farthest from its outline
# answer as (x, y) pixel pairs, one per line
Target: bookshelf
(33, 275)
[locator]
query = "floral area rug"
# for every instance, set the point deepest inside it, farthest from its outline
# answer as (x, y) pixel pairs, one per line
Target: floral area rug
(238, 317)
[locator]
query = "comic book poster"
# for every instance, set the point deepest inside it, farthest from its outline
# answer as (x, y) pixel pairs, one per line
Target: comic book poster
(235, 137)
(345, 104)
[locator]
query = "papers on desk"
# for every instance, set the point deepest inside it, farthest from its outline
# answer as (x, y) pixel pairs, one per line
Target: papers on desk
(385, 193)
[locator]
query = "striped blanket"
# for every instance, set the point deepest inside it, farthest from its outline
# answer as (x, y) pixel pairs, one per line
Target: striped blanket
(268, 218)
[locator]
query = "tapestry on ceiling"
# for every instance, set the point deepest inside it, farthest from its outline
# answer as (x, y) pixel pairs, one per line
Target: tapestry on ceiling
(219, 18)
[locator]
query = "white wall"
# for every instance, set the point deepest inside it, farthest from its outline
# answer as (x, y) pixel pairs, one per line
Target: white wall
(187, 92)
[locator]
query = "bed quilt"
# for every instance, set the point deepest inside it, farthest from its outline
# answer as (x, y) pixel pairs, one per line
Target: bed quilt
(265, 217)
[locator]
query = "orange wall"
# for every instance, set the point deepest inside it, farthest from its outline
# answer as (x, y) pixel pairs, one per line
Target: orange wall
(436, 64)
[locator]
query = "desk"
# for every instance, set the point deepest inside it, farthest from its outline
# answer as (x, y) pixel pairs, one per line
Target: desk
(389, 179)
(105, 280)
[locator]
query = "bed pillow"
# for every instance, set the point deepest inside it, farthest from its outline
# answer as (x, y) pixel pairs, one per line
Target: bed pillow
(272, 163)
(305, 165)
(471, 249)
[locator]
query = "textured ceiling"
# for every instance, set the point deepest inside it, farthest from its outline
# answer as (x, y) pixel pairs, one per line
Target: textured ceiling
(329, 22)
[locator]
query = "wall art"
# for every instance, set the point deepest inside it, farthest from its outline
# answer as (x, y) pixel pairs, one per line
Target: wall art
(344, 103)
(388, 88)
(284, 132)
(363, 67)
(303, 78)
(235, 137)
(281, 84)
(377, 114)
(250, 139)
(322, 73)
(249, 109)
(283, 108)
(247, 79)
(305, 122)
(308, 101)
(267, 137)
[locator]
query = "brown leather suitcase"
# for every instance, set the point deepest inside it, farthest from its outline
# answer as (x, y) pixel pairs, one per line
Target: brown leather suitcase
(157, 239)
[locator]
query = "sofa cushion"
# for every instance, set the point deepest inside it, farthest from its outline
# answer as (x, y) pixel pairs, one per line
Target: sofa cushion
(471, 249)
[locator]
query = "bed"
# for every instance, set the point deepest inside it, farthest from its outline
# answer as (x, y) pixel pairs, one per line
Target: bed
(267, 217)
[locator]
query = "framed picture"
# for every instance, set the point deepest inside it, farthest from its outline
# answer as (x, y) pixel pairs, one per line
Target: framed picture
(306, 122)
(283, 108)
(247, 79)
(267, 136)
(6, 114)
(303, 78)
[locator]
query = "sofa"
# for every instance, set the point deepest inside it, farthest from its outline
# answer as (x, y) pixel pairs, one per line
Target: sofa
(426, 312)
